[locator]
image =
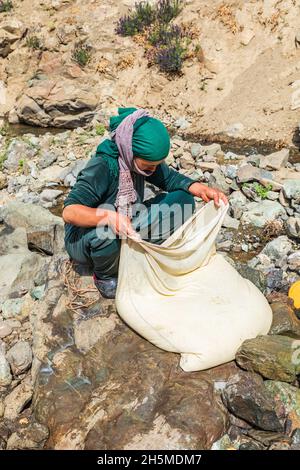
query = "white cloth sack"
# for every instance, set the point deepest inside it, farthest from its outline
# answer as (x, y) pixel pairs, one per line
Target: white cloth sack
(185, 297)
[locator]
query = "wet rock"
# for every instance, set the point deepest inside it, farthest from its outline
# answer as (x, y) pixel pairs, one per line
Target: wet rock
(275, 160)
(259, 213)
(44, 230)
(246, 397)
(81, 396)
(274, 357)
(32, 436)
(285, 322)
(17, 399)
(291, 189)
(287, 399)
(5, 375)
(20, 357)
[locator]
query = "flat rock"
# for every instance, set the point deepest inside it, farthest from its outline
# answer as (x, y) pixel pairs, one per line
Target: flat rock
(285, 322)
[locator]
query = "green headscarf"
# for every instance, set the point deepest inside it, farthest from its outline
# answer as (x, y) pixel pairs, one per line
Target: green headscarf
(150, 140)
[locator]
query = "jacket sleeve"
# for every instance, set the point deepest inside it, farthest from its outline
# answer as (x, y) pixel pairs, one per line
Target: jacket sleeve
(168, 179)
(91, 184)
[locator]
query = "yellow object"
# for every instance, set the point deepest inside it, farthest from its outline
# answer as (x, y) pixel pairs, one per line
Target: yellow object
(294, 293)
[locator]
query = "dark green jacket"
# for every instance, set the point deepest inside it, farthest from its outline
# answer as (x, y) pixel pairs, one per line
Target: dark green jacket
(95, 185)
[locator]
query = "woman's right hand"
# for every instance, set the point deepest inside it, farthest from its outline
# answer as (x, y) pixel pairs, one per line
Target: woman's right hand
(120, 224)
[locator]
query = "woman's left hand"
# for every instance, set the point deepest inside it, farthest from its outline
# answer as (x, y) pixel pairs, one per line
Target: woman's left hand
(206, 193)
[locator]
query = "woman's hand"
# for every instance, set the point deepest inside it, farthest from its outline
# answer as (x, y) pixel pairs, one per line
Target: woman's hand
(206, 193)
(120, 224)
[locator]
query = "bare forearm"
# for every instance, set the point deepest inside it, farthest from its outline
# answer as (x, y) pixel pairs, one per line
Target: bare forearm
(83, 216)
(196, 187)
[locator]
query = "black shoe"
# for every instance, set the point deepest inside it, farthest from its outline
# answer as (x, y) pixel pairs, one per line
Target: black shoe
(106, 287)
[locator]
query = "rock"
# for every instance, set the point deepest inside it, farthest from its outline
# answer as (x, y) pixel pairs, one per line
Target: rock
(3, 181)
(254, 275)
(274, 357)
(38, 292)
(272, 195)
(17, 400)
(44, 230)
(237, 202)
(291, 189)
(17, 273)
(196, 150)
(5, 329)
(230, 222)
(2, 407)
(248, 173)
(49, 195)
(181, 123)
(219, 180)
(11, 31)
(57, 103)
(285, 321)
(246, 397)
(259, 213)
(5, 375)
(230, 171)
(275, 160)
(212, 149)
(294, 261)
(287, 399)
(12, 308)
(20, 357)
(47, 159)
(207, 166)
(277, 248)
(30, 437)
(69, 178)
(186, 161)
(17, 151)
(81, 394)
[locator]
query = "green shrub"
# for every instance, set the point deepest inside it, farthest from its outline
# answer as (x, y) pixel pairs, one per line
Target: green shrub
(33, 42)
(5, 5)
(81, 54)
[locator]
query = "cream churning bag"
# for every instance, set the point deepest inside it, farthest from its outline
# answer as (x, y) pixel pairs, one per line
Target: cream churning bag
(184, 297)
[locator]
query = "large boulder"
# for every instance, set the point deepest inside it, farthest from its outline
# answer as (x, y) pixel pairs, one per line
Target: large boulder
(62, 103)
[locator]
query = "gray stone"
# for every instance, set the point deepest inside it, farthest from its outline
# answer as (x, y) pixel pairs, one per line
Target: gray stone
(219, 180)
(181, 123)
(49, 195)
(294, 261)
(259, 213)
(231, 171)
(44, 230)
(196, 150)
(237, 202)
(291, 189)
(187, 161)
(212, 149)
(292, 225)
(277, 248)
(235, 129)
(248, 173)
(230, 222)
(20, 357)
(17, 151)
(275, 160)
(12, 308)
(47, 159)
